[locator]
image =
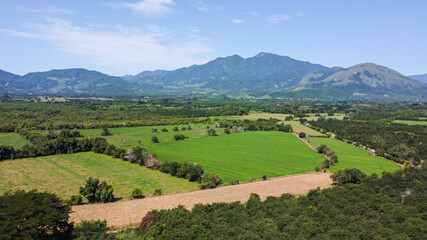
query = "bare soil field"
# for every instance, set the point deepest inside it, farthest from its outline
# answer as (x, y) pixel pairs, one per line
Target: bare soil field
(130, 212)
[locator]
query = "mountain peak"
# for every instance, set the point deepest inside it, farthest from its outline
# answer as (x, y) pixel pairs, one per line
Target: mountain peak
(262, 54)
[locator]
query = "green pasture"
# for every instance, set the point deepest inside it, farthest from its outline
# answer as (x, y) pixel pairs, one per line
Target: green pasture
(242, 156)
(12, 139)
(350, 156)
(411, 122)
(64, 174)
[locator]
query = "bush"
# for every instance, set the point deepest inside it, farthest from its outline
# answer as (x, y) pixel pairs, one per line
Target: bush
(264, 177)
(33, 215)
(164, 130)
(137, 193)
(183, 129)
(175, 129)
(178, 137)
(75, 200)
(212, 132)
(93, 229)
(227, 130)
(94, 191)
(210, 181)
(302, 135)
(106, 132)
(154, 139)
(348, 175)
(158, 192)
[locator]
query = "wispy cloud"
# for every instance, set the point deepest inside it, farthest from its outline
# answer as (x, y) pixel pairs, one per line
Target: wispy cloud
(201, 6)
(47, 9)
(273, 19)
(151, 8)
(120, 47)
(237, 21)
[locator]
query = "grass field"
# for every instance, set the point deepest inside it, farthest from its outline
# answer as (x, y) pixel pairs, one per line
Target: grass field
(350, 156)
(12, 139)
(64, 174)
(255, 116)
(298, 127)
(411, 122)
(243, 155)
(312, 116)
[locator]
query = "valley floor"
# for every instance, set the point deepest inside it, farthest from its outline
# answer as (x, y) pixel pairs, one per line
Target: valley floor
(130, 212)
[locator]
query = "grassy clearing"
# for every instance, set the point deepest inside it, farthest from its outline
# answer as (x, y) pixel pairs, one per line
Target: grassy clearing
(411, 122)
(64, 174)
(243, 155)
(298, 127)
(255, 116)
(350, 156)
(12, 139)
(312, 116)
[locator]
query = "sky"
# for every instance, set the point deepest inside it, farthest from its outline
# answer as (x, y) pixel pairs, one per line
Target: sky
(120, 37)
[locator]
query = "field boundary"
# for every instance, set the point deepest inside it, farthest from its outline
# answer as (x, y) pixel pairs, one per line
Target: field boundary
(130, 212)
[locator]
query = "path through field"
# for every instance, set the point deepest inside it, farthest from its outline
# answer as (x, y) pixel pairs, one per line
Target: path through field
(130, 212)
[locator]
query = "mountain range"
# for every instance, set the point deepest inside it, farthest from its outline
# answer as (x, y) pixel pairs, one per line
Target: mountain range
(421, 78)
(265, 74)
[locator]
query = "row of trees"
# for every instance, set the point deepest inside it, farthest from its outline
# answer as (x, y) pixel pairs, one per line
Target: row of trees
(398, 142)
(351, 210)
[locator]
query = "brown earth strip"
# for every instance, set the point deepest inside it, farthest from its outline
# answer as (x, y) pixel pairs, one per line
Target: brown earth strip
(130, 212)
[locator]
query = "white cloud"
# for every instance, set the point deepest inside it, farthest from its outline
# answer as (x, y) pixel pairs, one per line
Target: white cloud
(151, 8)
(273, 19)
(47, 9)
(121, 48)
(201, 6)
(237, 21)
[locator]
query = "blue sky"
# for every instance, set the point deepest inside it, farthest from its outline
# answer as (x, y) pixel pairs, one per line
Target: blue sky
(129, 36)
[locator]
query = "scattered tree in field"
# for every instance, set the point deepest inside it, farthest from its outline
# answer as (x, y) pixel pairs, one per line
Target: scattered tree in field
(139, 154)
(33, 215)
(154, 139)
(302, 135)
(264, 177)
(137, 193)
(154, 130)
(178, 137)
(158, 192)
(94, 191)
(175, 129)
(164, 130)
(212, 132)
(106, 132)
(227, 130)
(183, 128)
(289, 118)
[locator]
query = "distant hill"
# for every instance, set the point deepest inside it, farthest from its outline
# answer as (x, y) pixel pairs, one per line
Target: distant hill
(233, 74)
(69, 81)
(421, 78)
(263, 76)
(366, 78)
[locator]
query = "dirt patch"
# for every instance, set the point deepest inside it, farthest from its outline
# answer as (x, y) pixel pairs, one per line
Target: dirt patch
(130, 212)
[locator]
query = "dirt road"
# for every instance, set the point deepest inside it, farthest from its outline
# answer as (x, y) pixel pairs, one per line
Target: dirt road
(130, 212)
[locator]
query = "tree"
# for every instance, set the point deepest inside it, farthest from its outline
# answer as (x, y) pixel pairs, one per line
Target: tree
(348, 175)
(137, 193)
(227, 130)
(302, 135)
(139, 154)
(178, 137)
(94, 191)
(154, 139)
(212, 132)
(210, 181)
(33, 215)
(93, 229)
(106, 132)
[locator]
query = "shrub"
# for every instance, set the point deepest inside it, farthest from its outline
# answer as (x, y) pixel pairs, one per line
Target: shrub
(93, 229)
(164, 130)
(149, 220)
(212, 132)
(33, 215)
(154, 130)
(183, 129)
(348, 175)
(227, 130)
(137, 193)
(210, 181)
(158, 192)
(175, 129)
(154, 139)
(302, 135)
(94, 191)
(106, 132)
(178, 137)
(264, 177)
(75, 200)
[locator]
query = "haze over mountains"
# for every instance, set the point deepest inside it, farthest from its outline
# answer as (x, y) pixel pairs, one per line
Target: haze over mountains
(262, 74)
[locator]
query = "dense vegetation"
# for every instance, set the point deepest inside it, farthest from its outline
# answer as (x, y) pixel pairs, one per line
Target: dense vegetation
(398, 142)
(392, 207)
